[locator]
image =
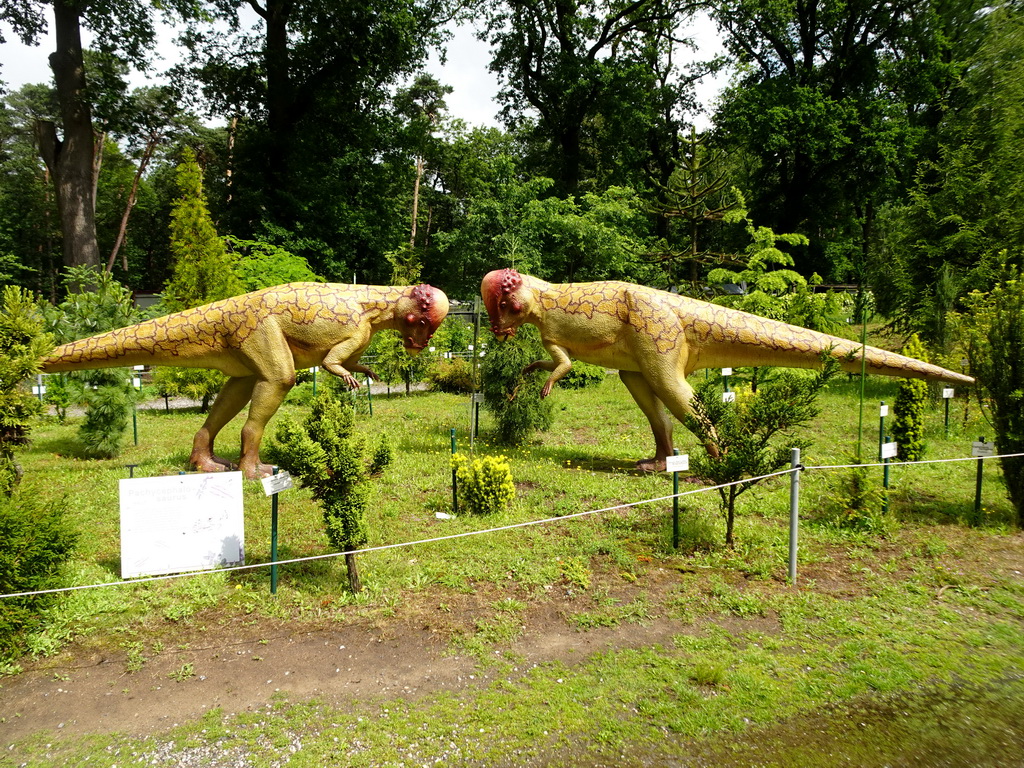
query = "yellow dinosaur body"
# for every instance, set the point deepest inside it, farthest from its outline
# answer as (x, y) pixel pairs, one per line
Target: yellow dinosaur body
(258, 340)
(656, 339)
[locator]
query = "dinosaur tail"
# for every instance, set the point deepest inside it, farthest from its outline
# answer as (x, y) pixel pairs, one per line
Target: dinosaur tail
(742, 339)
(162, 340)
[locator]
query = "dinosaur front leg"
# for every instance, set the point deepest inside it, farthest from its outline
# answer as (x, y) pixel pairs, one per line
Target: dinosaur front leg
(267, 397)
(654, 410)
(232, 397)
(559, 365)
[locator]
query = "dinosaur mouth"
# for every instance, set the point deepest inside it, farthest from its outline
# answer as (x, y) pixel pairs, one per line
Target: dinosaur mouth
(504, 333)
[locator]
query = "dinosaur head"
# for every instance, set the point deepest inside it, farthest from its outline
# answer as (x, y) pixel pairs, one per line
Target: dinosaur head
(504, 296)
(421, 311)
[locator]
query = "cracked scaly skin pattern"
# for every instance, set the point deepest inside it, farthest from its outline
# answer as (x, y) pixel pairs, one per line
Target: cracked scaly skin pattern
(656, 339)
(258, 340)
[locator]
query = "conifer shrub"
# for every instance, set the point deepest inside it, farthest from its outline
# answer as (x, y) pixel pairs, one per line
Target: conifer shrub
(582, 375)
(454, 376)
(96, 303)
(514, 398)
(993, 333)
(328, 456)
(22, 344)
(485, 484)
(908, 424)
(36, 540)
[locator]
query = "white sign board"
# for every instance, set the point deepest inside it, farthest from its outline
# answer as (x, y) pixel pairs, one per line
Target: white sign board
(889, 450)
(478, 397)
(883, 411)
(282, 481)
(947, 393)
(981, 449)
(181, 523)
(727, 371)
(677, 463)
(728, 397)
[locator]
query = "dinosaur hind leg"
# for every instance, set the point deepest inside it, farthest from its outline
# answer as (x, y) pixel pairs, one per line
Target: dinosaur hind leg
(233, 396)
(677, 393)
(267, 397)
(654, 409)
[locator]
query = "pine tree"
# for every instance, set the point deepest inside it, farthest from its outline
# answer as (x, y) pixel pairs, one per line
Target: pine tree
(202, 273)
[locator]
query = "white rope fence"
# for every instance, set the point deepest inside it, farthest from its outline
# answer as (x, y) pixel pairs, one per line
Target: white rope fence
(484, 531)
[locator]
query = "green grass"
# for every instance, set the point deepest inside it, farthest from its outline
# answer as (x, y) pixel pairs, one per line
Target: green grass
(925, 605)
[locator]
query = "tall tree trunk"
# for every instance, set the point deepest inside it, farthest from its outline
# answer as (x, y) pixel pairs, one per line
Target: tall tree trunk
(70, 160)
(416, 202)
(132, 197)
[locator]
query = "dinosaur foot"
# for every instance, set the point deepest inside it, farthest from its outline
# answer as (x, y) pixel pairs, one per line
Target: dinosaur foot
(257, 472)
(651, 465)
(211, 464)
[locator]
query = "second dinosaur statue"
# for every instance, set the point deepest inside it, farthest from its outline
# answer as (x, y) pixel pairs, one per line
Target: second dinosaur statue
(656, 339)
(258, 340)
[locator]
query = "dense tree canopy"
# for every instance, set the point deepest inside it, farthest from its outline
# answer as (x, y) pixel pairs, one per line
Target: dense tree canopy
(886, 138)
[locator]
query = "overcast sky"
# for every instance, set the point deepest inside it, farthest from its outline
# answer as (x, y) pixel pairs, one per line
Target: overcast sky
(465, 70)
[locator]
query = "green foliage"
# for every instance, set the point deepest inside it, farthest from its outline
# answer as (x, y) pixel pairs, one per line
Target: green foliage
(95, 304)
(854, 503)
(36, 541)
(485, 484)
(23, 343)
(108, 411)
(202, 273)
(908, 424)
(993, 330)
(258, 264)
(961, 209)
(202, 267)
(330, 458)
(582, 375)
(513, 398)
(453, 375)
(391, 361)
(742, 436)
(192, 383)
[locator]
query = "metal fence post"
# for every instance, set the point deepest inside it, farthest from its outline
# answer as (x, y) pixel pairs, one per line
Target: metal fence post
(273, 541)
(794, 510)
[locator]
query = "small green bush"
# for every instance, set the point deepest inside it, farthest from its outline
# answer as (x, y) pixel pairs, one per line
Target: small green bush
(854, 503)
(330, 458)
(454, 376)
(513, 398)
(908, 425)
(485, 484)
(108, 411)
(582, 375)
(35, 542)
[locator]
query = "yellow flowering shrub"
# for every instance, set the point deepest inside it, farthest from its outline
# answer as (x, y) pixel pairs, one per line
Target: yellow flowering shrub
(485, 484)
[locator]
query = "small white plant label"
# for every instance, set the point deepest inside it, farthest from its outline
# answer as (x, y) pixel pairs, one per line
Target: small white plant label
(728, 397)
(727, 371)
(883, 411)
(478, 397)
(139, 368)
(38, 389)
(947, 393)
(677, 463)
(889, 450)
(980, 449)
(282, 481)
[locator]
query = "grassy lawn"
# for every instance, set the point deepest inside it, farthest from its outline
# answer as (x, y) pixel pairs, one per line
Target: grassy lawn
(923, 616)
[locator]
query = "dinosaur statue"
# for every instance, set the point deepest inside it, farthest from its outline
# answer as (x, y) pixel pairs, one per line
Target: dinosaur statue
(258, 340)
(656, 339)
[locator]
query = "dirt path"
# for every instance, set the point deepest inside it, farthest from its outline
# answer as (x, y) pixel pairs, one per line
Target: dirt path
(240, 669)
